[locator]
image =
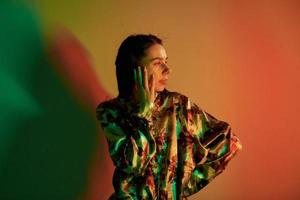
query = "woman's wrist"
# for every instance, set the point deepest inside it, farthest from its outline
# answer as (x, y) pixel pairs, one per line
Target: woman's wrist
(147, 111)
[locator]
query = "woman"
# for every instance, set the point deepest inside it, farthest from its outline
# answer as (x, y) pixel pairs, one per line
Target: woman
(162, 144)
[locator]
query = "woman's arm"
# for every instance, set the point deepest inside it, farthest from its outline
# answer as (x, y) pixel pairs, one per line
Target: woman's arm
(131, 144)
(129, 131)
(215, 146)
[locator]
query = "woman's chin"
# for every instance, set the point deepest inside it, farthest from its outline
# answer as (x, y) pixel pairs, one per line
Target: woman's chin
(159, 89)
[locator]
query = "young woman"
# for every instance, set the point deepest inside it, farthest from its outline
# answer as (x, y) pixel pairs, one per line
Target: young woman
(162, 144)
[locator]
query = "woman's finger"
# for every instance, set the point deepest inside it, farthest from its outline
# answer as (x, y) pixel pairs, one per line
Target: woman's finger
(146, 84)
(150, 84)
(152, 87)
(135, 78)
(140, 77)
(135, 75)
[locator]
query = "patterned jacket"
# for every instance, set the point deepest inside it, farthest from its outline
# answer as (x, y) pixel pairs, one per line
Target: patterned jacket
(170, 154)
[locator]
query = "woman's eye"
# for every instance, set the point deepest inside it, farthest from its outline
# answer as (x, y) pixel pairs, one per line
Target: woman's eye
(160, 63)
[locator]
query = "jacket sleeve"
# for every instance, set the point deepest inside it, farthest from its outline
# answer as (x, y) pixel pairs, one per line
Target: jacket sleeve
(214, 146)
(130, 142)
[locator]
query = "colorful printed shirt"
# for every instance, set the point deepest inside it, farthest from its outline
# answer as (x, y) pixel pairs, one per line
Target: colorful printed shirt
(170, 154)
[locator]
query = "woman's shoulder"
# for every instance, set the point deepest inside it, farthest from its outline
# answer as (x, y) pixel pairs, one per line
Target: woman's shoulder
(108, 104)
(177, 96)
(184, 101)
(107, 107)
(118, 105)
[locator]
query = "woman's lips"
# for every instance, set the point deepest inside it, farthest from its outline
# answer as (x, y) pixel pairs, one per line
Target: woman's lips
(164, 81)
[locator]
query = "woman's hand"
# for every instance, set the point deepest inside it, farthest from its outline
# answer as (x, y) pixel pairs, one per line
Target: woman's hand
(144, 93)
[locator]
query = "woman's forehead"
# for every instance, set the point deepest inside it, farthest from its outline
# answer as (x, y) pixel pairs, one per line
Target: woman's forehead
(156, 51)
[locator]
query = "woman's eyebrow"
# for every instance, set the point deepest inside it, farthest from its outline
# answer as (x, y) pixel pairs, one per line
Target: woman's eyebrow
(160, 58)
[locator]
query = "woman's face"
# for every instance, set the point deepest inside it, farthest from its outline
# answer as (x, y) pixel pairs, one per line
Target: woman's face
(156, 63)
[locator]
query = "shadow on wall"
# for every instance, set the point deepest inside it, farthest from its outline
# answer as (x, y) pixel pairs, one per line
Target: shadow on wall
(49, 136)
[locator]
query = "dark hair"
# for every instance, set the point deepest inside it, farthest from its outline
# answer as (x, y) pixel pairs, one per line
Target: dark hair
(129, 56)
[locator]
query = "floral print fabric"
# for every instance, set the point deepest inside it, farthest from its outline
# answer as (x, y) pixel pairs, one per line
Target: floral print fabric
(170, 154)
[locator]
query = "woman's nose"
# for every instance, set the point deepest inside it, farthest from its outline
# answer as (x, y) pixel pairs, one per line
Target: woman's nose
(167, 69)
